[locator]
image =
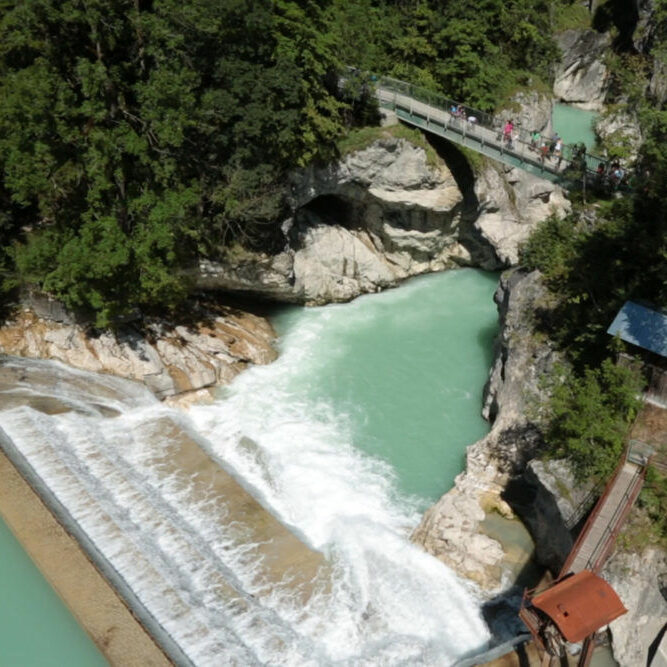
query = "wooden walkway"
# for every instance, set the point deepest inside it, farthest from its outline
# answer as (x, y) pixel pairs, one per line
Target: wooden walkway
(598, 535)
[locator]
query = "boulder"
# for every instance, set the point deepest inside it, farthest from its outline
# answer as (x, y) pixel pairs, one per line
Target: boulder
(168, 358)
(636, 578)
(510, 203)
(335, 264)
(581, 77)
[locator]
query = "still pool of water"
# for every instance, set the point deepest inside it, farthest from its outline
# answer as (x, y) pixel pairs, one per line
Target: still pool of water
(36, 629)
(407, 368)
(574, 125)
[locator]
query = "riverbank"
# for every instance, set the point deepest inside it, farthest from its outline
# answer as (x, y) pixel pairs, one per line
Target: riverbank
(96, 606)
(353, 516)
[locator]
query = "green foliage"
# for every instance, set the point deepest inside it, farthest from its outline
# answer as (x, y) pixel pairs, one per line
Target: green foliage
(134, 136)
(629, 77)
(590, 415)
(552, 248)
(572, 16)
(593, 266)
(472, 52)
(360, 138)
(653, 499)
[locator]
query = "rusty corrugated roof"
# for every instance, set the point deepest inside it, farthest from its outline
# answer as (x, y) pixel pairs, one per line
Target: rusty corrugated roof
(580, 604)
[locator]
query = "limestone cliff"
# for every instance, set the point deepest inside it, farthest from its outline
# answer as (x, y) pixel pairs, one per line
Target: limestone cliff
(503, 474)
(383, 214)
(450, 529)
(371, 220)
(581, 78)
(168, 358)
(636, 579)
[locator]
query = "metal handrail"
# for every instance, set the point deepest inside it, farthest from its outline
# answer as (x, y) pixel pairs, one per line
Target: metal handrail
(583, 507)
(598, 553)
(569, 153)
(574, 163)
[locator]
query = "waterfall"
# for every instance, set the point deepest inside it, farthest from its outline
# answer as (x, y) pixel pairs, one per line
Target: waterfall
(252, 529)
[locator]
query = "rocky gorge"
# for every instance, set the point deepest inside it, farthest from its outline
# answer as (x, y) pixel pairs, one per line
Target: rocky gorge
(366, 223)
(380, 215)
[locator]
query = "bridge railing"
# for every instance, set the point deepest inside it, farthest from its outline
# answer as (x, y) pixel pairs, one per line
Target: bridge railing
(605, 542)
(573, 161)
(583, 507)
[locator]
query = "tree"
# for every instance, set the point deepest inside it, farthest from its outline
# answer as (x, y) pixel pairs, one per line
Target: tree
(135, 136)
(590, 416)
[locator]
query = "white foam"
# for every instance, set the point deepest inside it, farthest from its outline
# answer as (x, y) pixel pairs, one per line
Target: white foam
(390, 603)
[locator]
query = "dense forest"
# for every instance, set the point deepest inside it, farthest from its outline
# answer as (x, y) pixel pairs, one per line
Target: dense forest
(139, 135)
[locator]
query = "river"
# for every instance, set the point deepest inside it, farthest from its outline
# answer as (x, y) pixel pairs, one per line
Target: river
(360, 423)
(575, 125)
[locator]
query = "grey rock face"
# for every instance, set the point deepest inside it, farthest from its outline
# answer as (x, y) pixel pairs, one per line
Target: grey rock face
(538, 498)
(447, 528)
(381, 215)
(658, 83)
(581, 76)
(377, 217)
(621, 128)
(645, 31)
(510, 204)
(635, 577)
(168, 359)
(256, 273)
(534, 111)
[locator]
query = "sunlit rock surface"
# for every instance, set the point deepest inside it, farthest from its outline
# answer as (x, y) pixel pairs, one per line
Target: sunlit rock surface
(510, 203)
(168, 359)
(581, 77)
(383, 214)
(635, 577)
(450, 529)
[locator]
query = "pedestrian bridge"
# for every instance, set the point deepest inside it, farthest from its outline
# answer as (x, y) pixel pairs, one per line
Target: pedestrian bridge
(431, 112)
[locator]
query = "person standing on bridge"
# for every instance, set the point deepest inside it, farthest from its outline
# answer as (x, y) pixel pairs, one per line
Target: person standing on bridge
(558, 151)
(535, 140)
(544, 151)
(507, 132)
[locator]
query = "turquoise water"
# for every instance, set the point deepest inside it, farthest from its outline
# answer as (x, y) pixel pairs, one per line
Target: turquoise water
(574, 125)
(362, 420)
(36, 628)
(407, 368)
